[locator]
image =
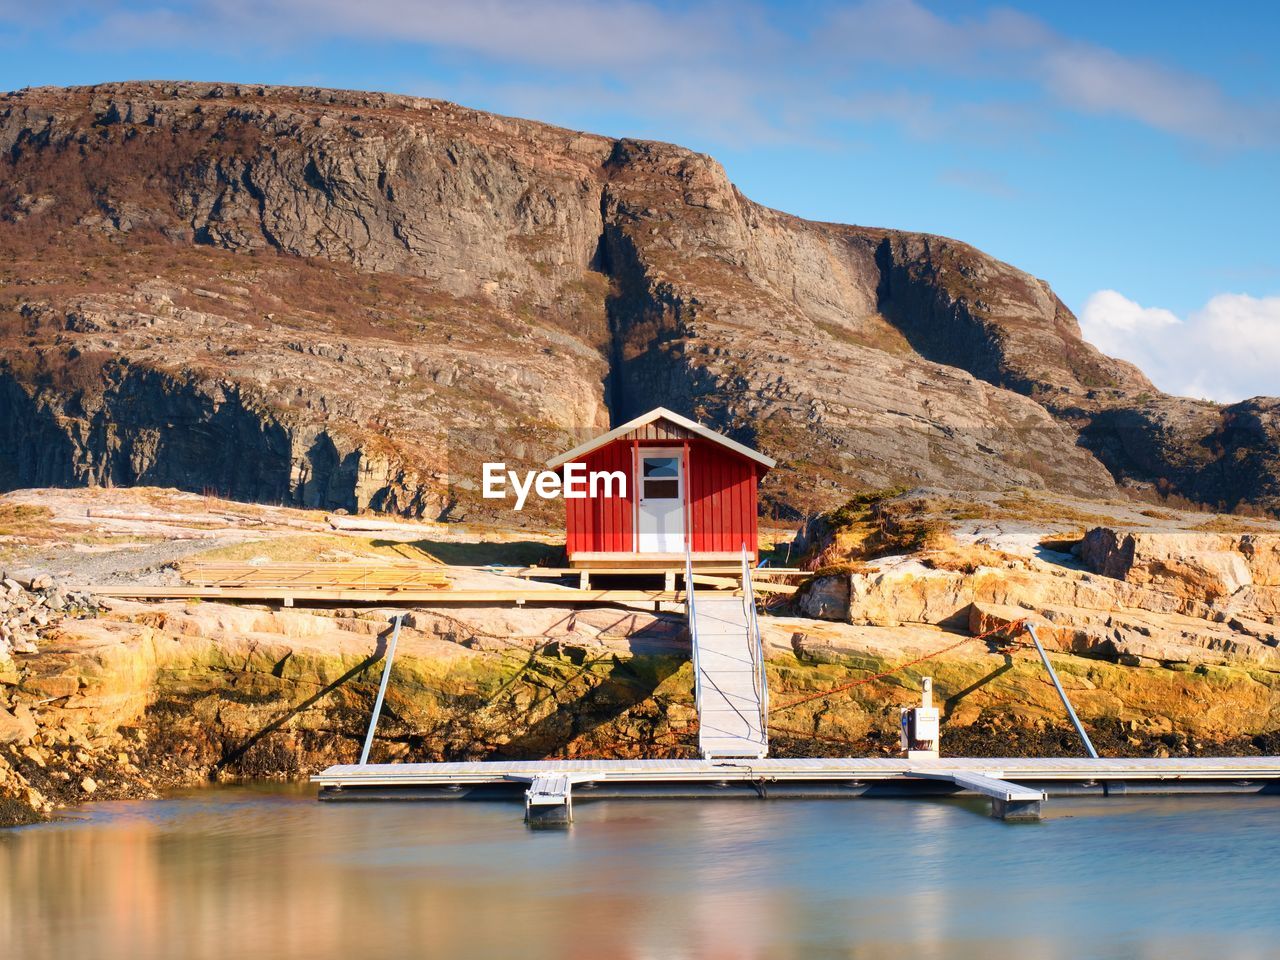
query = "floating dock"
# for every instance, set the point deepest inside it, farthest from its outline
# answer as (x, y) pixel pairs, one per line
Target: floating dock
(1016, 787)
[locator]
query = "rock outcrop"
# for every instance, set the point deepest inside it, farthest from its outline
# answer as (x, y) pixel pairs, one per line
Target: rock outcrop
(349, 300)
(149, 696)
(1235, 573)
(1174, 599)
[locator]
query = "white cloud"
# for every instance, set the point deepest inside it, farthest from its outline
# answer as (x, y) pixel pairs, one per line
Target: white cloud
(1112, 322)
(866, 61)
(1228, 350)
(1080, 76)
(617, 35)
(1092, 79)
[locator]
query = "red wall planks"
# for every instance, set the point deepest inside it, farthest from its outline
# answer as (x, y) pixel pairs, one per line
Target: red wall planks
(722, 490)
(603, 525)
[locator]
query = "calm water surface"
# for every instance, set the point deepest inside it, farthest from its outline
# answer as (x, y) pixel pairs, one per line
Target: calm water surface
(230, 873)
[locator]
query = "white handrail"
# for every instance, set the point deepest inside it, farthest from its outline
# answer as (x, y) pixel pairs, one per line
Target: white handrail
(692, 616)
(756, 645)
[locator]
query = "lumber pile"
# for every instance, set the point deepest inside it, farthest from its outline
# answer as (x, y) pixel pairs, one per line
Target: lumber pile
(349, 575)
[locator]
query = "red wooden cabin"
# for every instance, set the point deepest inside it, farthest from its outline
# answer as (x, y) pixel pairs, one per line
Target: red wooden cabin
(685, 484)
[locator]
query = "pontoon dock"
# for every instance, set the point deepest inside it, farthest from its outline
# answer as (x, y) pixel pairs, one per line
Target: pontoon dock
(1016, 787)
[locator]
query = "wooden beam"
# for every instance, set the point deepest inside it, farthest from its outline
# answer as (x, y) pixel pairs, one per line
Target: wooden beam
(786, 588)
(414, 596)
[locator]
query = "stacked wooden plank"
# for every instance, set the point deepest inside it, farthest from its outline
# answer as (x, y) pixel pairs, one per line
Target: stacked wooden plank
(346, 575)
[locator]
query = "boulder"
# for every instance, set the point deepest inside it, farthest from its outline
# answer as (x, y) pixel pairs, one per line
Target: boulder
(1262, 551)
(17, 727)
(1202, 566)
(910, 593)
(826, 598)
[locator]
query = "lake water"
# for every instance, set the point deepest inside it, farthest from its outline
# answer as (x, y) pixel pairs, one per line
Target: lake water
(230, 872)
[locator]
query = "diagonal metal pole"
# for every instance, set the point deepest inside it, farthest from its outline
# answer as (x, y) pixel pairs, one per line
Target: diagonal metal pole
(1088, 744)
(382, 690)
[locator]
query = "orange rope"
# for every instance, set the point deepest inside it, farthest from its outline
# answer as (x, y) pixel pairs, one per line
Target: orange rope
(805, 734)
(1008, 628)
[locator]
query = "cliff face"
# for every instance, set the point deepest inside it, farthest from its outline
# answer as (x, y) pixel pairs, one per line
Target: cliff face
(348, 300)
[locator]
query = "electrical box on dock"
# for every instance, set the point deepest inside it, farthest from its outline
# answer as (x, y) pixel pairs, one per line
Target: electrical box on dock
(920, 726)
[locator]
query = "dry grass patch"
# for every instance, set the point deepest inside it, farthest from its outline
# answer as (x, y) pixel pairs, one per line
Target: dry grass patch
(874, 524)
(299, 548)
(1222, 523)
(1023, 506)
(967, 559)
(24, 520)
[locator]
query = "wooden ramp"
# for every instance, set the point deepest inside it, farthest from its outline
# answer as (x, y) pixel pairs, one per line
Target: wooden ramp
(1014, 786)
(730, 716)
(730, 687)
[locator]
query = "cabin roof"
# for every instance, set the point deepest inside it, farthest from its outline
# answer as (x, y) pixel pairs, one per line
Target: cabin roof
(661, 413)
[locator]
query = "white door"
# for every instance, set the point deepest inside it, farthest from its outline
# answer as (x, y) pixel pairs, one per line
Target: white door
(661, 482)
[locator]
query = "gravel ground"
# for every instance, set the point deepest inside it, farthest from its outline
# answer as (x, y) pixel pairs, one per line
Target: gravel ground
(102, 536)
(146, 563)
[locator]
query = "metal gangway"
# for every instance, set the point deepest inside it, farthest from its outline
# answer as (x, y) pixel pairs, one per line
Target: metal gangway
(730, 686)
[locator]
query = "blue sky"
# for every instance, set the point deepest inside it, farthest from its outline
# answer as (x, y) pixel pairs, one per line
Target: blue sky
(1125, 152)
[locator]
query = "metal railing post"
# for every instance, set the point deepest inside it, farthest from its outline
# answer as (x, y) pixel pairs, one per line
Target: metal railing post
(1044, 657)
(757, 645)
(382, 690)
(691, 614)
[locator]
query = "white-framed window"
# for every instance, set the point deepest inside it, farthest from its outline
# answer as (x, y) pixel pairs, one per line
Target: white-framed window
(660, 478)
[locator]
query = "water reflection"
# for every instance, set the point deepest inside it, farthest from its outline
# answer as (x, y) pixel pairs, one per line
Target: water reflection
(238, 873)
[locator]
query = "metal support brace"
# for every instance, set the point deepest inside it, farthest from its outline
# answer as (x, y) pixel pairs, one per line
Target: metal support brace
(382, 688)
(1044, 657)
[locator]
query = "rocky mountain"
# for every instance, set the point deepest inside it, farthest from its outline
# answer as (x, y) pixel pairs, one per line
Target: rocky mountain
(342, 299)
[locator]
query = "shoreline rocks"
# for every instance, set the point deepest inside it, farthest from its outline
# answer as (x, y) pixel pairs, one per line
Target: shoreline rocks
(148, 697)
(27, 606)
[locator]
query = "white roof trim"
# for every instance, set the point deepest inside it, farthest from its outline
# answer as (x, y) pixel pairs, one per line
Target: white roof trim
(660, 413)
